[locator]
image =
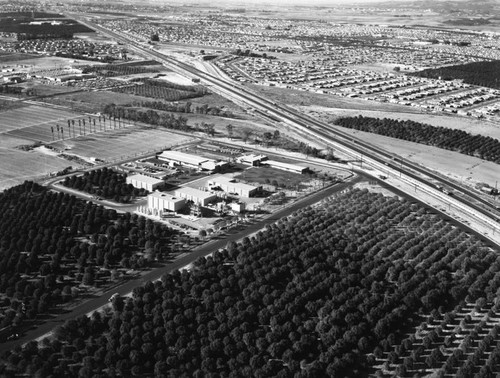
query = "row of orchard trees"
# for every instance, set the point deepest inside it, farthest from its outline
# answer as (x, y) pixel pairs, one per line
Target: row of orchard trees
(163, 90)
(105, 182)
(51, 242)
(110, 70)
(186, 107)
(484, 147)
(317, 294)
(150, 116)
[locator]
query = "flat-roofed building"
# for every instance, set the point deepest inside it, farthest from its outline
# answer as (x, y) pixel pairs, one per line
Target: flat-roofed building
(230, 185)
(144, 182)
(199, 197)
(162, 201)
(285, 166)
(253, 160)
(181, 158)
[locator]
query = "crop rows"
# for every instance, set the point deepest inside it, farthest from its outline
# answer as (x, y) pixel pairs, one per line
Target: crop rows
(111, 70)
(153, 91)
(325, 292)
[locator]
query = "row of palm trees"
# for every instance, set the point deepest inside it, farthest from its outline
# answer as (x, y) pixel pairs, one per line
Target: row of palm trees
(89, 126)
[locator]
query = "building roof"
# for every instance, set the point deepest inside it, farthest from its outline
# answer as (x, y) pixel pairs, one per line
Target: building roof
(165, 196)
(252, 157)
(194, 192)
(279, 164)
(182, 157)
(146, 179)
(230, 181)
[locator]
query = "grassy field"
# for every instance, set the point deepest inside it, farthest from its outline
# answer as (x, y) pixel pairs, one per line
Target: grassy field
(100, 98)
(15, 57)
(120, 143)
(18, 166)
(34, 123)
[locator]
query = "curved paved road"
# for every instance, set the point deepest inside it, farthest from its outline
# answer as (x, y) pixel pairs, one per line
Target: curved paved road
(155, 274)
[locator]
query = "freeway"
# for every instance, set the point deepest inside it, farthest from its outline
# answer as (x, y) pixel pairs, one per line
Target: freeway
(155, 274)
(309, 127)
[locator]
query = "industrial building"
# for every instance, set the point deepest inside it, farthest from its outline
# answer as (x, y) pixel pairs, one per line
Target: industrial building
(253, 160)
(230, 185)
(199, 197)
(181, 158)
(162, 201)
(144, 182)
(285, 166)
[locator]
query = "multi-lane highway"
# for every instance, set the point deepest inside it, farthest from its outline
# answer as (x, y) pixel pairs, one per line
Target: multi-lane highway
(309, 127)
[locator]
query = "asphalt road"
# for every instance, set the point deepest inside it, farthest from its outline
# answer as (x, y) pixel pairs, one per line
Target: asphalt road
(155, 274)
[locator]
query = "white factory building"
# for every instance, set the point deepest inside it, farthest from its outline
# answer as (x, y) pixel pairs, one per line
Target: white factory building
(175, 158)
(285, 166)
(162, 201)
(253, 160)
(144, 182)
(199, 197)
(230, 185)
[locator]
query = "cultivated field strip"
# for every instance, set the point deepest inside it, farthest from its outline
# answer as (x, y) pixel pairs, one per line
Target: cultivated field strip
(32, 115)
(120, 143)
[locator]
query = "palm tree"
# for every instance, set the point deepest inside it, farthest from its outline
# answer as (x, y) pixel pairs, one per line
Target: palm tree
(57, 126)
(229, 128)
(52, 129)
(73, 123)
(80, 125)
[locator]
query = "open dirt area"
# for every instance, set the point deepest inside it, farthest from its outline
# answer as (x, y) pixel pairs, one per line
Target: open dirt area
(463, 168)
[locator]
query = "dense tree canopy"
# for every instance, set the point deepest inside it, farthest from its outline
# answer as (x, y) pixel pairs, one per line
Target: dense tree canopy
(106, 183)
(318, 294)
(52, 242)
(485, 74)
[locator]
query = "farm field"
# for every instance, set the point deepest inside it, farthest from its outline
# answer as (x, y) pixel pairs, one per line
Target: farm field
(33, 122)
(121, 143)
(25, 126)
(98, 99)
(16, 57)
(18, 166)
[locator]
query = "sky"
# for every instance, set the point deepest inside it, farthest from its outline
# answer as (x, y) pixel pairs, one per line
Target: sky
(293, 2)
